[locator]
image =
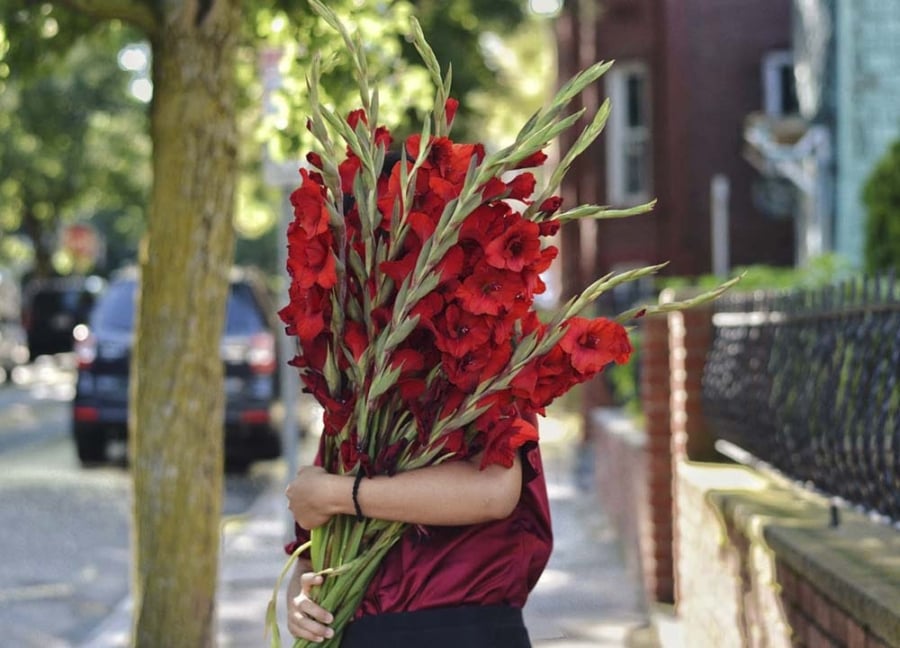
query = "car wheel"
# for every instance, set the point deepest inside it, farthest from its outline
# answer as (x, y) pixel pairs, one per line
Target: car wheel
(237, 465)
(268, 444)
(90, 444)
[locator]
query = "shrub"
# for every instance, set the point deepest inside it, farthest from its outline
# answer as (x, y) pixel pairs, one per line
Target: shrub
(881, 196)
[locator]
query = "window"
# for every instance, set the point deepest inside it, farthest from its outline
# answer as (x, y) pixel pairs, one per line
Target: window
(628, 162)
(779, 86)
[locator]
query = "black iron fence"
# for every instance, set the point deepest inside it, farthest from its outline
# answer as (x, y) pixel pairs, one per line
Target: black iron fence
(809, 383)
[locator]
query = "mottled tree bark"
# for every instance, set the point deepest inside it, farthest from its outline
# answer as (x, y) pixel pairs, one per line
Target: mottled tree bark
(176, 400)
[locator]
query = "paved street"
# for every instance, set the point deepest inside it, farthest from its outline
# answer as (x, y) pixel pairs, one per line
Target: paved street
(65, 541)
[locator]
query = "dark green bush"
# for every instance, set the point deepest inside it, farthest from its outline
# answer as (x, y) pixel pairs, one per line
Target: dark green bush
(881, 196)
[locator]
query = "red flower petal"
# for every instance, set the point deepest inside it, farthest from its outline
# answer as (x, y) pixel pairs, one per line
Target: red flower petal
(308, 201)
(450, 107)
(518, 247)
(534, 160)
(593, 344)
(355, 116)
(522, 186)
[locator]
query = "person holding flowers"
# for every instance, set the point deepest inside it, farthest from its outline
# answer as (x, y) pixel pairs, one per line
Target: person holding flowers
(411, 297)
(477, 542)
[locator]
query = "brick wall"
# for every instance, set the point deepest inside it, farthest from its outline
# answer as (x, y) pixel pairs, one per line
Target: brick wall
(634, 467)
(815, 618)
(754, 560)
(760, 566)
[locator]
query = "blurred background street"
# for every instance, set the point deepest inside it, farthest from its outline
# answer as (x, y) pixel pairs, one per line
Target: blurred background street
(65, 543)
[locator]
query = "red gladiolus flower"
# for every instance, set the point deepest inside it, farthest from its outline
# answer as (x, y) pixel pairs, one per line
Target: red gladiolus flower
(450, 107)
(550, 205)
(468, 371)
(504, 437)
(494, 189)
(308, 201)
(355, 338)
(544, 379)
(521, 187)
(408, 360)
(593, 344)
(306, 313)
(354, 117)
(534, 160)
(314, 159)
(386, 460)
(348, 170)
(549, 228)
(411, 383)
(310, 260)
(485, 223)
(518, 247)
(459, 332)
(489, 291)
(428, 307)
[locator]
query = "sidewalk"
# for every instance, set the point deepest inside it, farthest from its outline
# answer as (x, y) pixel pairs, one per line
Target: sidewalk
(585, 598)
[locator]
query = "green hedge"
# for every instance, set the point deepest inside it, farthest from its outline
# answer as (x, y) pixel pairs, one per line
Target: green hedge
(881, 196)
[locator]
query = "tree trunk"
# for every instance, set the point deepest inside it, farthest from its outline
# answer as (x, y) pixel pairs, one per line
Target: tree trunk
(37, 232)
(177, 394)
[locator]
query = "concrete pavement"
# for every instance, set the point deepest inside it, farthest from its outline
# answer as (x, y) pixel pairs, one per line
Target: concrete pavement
(585, 598)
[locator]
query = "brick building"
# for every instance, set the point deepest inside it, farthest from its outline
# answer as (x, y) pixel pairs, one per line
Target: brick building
(687, 74)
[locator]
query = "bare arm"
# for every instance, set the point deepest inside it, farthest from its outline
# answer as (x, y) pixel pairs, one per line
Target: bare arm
(452, 493)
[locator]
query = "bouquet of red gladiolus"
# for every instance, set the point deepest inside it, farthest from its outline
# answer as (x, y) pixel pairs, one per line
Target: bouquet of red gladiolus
(412, 300)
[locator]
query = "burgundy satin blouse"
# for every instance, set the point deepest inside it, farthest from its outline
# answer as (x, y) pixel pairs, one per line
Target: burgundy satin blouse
(493, 563)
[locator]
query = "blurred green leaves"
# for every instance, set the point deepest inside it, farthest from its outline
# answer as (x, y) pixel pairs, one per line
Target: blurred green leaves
(73, 142)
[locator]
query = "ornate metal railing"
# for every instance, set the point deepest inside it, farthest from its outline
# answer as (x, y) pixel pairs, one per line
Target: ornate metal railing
(809, 383)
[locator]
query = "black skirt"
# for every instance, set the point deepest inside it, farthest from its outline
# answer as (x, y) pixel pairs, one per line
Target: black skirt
(496, 626)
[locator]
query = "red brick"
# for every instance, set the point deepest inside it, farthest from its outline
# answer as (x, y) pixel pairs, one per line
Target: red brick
(874, 642)
(821, 611)
(807, 596)
(794, 617)
(800, 625)
(839, 626)
(788, 581)
(856, 634)
(816, 638)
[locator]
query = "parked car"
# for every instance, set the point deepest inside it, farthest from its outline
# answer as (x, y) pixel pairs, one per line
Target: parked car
(53, 307)
(103, 350)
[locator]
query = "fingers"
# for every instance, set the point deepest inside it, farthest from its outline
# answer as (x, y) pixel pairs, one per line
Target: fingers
(307, 619)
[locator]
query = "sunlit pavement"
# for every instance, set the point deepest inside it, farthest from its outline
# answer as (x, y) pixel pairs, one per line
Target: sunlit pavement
(29, 401)
(65, 545)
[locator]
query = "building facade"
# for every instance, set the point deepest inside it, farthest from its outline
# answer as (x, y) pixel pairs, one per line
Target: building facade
(687, 74)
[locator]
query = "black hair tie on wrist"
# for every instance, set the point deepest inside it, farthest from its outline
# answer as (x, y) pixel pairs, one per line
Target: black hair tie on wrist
(359, 514)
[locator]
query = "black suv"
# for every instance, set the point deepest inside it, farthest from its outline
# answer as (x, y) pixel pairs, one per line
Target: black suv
(53, 307)
(103, 348)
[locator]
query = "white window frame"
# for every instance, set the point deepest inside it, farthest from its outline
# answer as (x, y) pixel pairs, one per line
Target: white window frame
(773, 96)
(620, 137)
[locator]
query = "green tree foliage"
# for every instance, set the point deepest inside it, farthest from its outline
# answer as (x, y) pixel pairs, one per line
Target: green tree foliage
(455, 29)
(72, 142)
(881, 196)
(205, 84)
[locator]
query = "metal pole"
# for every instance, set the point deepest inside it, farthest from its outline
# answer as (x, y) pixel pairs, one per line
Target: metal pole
(290, 383)
(719, 193)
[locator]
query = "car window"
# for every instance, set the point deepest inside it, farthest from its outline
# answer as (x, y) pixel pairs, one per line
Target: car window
(50, 302)
(243, 316)
(116, 310)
